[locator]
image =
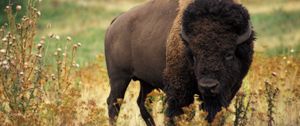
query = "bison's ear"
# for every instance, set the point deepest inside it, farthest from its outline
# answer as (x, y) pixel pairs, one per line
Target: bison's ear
(244, 53)
(242, 38)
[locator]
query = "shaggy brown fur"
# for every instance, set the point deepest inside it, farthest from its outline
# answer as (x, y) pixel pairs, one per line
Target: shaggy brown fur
(178, 78)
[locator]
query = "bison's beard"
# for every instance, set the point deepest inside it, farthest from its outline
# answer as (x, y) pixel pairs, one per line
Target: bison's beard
(212, 105)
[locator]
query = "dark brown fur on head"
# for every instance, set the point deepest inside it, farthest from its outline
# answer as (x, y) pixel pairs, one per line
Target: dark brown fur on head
(212, 28)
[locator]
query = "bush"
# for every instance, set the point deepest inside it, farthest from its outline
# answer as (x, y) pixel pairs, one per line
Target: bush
(33, 92)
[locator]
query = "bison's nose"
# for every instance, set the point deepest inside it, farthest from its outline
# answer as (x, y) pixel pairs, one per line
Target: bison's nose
(208, 86)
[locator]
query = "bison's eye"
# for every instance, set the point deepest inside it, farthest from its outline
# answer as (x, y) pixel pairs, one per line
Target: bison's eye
(229, 56)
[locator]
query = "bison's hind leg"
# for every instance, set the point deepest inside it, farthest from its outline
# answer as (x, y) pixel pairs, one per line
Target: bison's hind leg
(144, 91)
(118, 85)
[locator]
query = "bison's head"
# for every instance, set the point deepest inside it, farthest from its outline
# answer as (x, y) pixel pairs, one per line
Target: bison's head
(219, 44)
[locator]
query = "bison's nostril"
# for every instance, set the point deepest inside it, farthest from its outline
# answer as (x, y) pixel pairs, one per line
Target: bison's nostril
(208, 86)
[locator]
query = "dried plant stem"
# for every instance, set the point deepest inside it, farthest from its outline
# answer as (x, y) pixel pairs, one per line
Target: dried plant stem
(271, 94)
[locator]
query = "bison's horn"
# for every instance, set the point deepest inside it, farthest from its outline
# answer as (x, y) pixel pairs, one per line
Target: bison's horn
(183, 35)
(246, 35)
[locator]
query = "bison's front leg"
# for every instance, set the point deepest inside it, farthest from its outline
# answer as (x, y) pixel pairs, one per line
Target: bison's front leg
(180, 94)
(175, 109)
(180, 89)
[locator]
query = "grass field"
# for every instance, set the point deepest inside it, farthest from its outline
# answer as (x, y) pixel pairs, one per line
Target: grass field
(85, 21)
(276, 23)
(271, 88)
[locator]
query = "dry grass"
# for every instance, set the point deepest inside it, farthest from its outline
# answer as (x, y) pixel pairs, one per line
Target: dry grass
(269, 96)
(33, 92)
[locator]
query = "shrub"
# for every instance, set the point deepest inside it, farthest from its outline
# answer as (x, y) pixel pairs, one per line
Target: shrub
(33, 92)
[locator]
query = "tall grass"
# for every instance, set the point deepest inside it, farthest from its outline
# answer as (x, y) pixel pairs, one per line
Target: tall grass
(269, 96)
(33, 92)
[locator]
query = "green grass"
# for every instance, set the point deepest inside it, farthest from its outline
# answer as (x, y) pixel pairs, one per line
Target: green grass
(84, 23)
(277, 23)
(283, 50)
(277, 30)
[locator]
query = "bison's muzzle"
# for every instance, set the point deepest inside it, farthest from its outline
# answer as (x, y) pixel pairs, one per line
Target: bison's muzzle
(209, 86)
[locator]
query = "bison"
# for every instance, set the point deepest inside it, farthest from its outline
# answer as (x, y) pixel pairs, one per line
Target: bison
(184, 48)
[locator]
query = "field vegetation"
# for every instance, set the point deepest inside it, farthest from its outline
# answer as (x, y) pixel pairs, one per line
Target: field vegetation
(52, 68)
